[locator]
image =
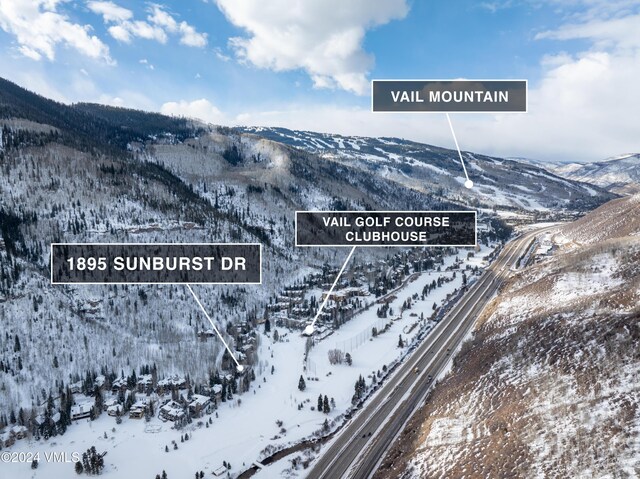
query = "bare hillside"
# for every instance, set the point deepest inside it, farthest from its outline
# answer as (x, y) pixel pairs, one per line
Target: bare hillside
(549, 384)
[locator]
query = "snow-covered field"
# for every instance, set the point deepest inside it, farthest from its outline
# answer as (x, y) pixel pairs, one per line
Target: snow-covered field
(245, 426)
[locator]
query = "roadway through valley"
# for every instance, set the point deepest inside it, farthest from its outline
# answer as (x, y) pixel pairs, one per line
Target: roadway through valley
(359, 448)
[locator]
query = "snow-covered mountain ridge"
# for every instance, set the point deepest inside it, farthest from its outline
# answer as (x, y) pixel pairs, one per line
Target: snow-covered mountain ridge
(620, 174)
(498, 183)
(548, 385)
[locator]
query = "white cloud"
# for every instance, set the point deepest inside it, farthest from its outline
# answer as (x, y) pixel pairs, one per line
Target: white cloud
(322, 37)
(39, 28)
(201, 109)
(124, 32)
(158, 25)
(584, 108)
(110, 11)
(190, 37)
(146, 63)
(586, 105)
(617, 33)
(220, 55)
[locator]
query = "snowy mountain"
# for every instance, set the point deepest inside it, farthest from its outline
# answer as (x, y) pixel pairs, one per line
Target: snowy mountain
(620, 174)
(92, 173)
(548, 383)
(498, 183)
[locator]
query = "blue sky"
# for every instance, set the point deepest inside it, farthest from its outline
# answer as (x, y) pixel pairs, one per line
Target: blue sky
(307, 63)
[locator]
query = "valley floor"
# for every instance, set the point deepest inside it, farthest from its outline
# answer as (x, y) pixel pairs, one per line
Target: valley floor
(248, 427)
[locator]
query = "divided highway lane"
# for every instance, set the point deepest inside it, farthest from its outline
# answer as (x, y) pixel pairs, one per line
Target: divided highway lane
(359, 448)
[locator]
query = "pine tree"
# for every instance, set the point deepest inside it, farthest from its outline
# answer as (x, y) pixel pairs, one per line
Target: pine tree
(325, 405)
(301, 384)
(320, 403)
(267, 325)
(325, 425)
(99, 403)
(348, 359)
(360, 388)
(400, 341)
(79, 468)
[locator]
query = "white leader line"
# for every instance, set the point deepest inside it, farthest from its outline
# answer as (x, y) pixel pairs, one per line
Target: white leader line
(457, 146)
(239, 366)
(326, 298)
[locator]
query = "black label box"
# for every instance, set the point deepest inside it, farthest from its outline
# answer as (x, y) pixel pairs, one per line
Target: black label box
(386, 228)
(468, 96)
(156, 263)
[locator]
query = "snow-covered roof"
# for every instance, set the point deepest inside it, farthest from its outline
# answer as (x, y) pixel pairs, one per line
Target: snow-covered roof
(172, 408)
(139, 404)
(220, 471)
(199, 399)
(172, 380)
(119, 382)
(81, 408)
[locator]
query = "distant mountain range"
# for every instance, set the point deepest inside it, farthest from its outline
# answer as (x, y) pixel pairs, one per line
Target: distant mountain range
(620, 174)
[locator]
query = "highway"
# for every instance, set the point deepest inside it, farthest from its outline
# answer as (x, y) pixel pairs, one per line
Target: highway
(360, 447)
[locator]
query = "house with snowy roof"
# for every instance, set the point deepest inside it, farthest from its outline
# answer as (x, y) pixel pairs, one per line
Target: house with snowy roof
(115, 410)
(7, 439)
(81, 410)
(145, 384)
(171, 411)
(138, 409)
(199, 403)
